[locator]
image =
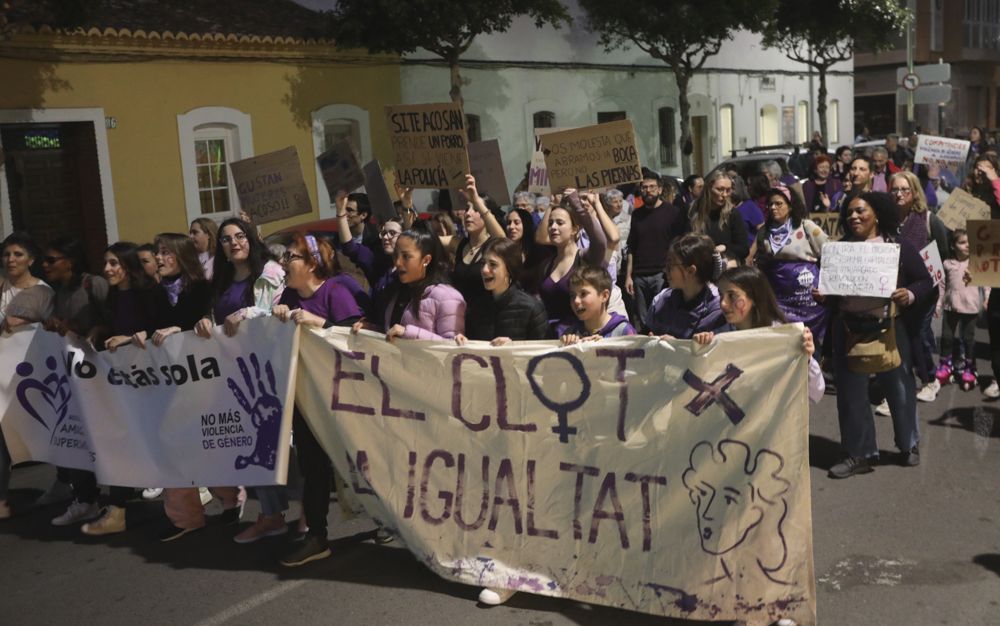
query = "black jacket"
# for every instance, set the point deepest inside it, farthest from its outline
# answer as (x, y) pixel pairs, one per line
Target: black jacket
(515, 314)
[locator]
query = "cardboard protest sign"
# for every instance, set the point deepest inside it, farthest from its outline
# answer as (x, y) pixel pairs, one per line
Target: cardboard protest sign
(984, 246)
(629, 472)
(430, 144)
(538, 175)
(931, 149)
(932, 259)
(960, 207)
(270, 186)
(592, 157)
(340, 169)
(858, 268)
(487, 167)
(378, 192)
(829, 222)
(214, 412)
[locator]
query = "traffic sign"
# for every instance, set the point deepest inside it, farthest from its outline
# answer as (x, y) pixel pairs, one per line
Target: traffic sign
(911, 82)
(926, 94)
(932, 73)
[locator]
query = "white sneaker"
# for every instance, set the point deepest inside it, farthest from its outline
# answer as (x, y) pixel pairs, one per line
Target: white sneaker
(929, 392)
(786, 621)
(78, 512)
(993, 391)
(205, 494)
(883, 409)
(493, 597)
(58, 492)
(152, 493)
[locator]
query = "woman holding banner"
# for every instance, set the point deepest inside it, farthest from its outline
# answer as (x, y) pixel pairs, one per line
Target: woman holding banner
(24, 299)
(986, 187)
(312, 298)
(788, 253)
(246, 284)
(873, 217)
(136, 304)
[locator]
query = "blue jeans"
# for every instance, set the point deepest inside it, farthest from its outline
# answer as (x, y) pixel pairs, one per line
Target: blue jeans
(273, 499)
(857, 425)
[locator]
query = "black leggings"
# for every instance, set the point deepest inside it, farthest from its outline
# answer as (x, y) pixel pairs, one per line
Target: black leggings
(317, 475)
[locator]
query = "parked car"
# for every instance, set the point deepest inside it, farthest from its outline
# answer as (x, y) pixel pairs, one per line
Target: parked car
(748, 162)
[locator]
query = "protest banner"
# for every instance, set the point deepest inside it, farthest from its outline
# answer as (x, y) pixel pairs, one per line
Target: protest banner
(270, 186)
(932, 259)
(829, 222)
(340, 169)
(960, 207)
(629, 472)
(858, 268)
(931, 149)
(984, 248)
(430, 144)
(378, 192)
(190, 412)
(593, 157)
(487, 167)
(538, 175)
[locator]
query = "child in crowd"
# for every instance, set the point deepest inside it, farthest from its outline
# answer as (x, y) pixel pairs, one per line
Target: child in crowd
(961, 304)
(748, 302)
(691, 304)
(590, 292)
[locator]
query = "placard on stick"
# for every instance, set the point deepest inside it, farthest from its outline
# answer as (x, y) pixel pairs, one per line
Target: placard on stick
(340, 168)
(858, 268)
(932, 149)
(931, 257)
(538, 175)
(487, 166)
(984, 246)
(430, 144)
(960, 207)
(378, 192)
(828, 222)
(270, 186)
(592, 157)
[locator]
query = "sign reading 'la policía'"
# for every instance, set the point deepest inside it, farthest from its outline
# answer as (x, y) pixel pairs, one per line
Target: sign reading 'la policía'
(430, 144)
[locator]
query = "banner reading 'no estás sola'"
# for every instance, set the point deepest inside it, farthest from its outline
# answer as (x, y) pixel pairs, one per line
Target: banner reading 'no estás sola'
(633, 473)
(192, 412)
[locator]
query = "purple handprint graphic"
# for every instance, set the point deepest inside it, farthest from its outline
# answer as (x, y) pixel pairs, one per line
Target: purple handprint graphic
(265, 412)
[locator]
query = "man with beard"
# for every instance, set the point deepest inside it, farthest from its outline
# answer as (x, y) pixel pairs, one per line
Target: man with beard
(654, 226)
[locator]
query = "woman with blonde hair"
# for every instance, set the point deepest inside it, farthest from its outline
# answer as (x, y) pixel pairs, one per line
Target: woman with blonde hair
(714, 215)
(203, 232)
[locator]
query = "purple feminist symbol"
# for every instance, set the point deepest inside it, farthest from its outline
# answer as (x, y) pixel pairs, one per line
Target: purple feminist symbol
(715, 391)
(884, 280)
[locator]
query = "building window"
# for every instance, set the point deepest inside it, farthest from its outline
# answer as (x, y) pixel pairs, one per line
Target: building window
(787, 124)
(343, 129)
(769, 126)
(333, 123)
(726, 137)
(544, 119)
(211, 164)
(474, 128)
(210, 139)
(982, 24)
(937, 24)
(833, 122)
(668, 136)
(610, 116)
(802, 122)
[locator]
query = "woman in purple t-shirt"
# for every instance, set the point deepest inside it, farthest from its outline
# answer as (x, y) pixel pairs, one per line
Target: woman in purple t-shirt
(312, 298)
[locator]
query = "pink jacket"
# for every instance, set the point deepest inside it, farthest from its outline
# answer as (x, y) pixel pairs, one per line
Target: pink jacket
(441, 314)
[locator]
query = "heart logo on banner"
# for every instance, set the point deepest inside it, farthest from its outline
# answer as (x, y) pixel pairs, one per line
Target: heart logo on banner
(47, 400)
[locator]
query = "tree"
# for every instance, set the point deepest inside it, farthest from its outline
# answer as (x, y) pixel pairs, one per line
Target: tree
(821, 37)
(445, 27)
(681, 34)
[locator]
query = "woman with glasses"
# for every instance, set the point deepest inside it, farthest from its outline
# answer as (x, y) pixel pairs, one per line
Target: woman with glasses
(788, 253)
(713, 215)
(246, 284)
(312, 298)
(919, 227)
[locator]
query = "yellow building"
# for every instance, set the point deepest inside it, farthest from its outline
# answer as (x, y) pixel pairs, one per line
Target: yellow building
(121, 128)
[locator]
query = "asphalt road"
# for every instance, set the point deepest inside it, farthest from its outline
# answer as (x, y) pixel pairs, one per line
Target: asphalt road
(915, 546)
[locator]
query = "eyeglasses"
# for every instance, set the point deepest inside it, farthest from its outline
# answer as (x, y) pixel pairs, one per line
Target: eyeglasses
(288, 256)
(723, 190)
(900, 191)
(774, 204)
(226, 239)
(52, 259)
(389, 234)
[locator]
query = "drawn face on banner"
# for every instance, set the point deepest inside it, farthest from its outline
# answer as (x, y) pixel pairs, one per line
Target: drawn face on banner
(114, 271)
(16, 261)
(166, 262)
(234, 244)
(411, 266)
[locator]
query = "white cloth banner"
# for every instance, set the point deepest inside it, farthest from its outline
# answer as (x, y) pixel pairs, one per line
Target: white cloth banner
(659, 477)
(191, 412)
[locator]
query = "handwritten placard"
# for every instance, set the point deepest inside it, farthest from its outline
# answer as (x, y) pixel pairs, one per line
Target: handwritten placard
(960, 207)
(829, 222)
(538, 174)
(340, 168)
(430, 144)
(487, 167)
(858, 268)
(270, 186)
(932, 149)
(932, 259)
(378, 192)
(592, 157)
(984, 262)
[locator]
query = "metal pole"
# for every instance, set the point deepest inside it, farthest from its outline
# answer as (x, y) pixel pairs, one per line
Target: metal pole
(909, 66)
